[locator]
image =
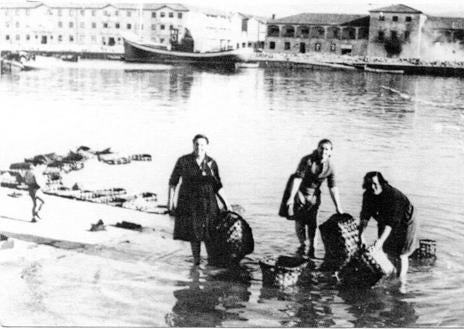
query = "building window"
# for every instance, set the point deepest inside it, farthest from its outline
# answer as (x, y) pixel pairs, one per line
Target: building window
(28, 37)
(71, 25)
(161, 40)
(82, 25)
(408, 19)
(17, 37)
(93, 12)
(153, 14)
(272, 45)
(116, 25)
(245, 25)
(153, 27)
(249, 44)
(60, 24)
(406, 35)
(171, 14)
(243, 44)
(162, 14)
(161, 27)
(17, 24)
(94, 25)
(71, 38)
(317, 46)
(179, 15)
(7, 37)
(171, 27)
(381, 36)
(116, 13)
(105, 25)
(129, 14)
(82, 11)
(394, 34)
(381, 17)
(51, 37)
(286, 45)
(60, 38)
(129, 26)
(395, 18)
(333, 47)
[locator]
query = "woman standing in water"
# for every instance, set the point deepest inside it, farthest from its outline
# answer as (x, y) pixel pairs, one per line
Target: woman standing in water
(197, 176)
(394, 215)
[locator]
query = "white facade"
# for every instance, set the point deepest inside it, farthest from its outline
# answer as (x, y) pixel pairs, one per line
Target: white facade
(97, 27)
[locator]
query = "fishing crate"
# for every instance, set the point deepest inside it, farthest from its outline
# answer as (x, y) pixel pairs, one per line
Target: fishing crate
(365, 268)
(283, 271)
(340, 235)
(427, 249)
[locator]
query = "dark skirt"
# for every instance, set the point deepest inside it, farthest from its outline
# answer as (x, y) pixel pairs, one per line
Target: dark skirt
(196, 214)
(401, 239)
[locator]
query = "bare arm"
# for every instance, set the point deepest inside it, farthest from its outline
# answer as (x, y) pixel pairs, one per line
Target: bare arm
(336, 199)
(295, 187)
(380, 241)
(171, 198)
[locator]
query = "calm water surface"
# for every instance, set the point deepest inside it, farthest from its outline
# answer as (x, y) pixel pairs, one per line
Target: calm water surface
(260, 124)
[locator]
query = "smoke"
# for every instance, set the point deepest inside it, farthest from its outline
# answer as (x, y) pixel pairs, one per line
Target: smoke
(434, 48)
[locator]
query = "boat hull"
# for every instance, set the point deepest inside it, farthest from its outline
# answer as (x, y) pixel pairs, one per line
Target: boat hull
(136, 52)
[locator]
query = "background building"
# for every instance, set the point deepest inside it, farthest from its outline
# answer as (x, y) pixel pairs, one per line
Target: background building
(393, 31)
(100, 27)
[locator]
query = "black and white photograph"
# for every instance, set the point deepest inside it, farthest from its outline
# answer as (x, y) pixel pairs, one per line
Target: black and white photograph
(219, 163)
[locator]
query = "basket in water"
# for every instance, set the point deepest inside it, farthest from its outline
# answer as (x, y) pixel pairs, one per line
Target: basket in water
(233, 238)
(340, 235)
(427, 249)
(283, 271)
(366, 268)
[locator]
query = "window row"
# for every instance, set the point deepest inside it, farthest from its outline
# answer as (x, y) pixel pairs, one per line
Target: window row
(154, 14)
(395, 18)
(302, 46)
(394, 35)
(318, 32)
(155, 27)
(92, 12)
(60, 38)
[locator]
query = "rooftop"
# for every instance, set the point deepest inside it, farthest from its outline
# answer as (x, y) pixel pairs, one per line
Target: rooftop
(399, 8)
(323, 19)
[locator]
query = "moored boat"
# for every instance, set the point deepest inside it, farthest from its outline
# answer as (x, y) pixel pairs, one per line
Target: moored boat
(136, 51)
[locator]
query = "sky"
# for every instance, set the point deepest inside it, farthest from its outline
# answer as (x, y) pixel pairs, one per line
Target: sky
(282, 8)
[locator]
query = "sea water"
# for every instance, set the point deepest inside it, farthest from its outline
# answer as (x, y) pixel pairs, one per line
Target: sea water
(260, 123)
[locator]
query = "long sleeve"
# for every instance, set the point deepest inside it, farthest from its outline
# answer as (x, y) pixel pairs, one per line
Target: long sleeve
(176, 173)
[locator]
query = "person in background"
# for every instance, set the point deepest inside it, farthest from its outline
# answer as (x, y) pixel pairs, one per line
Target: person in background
(395, 218)
(197, 176)
(305, 195)
(35, 181)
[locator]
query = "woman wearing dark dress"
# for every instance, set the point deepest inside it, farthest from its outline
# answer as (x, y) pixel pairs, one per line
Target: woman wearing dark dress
(395, 218)
(197, 176)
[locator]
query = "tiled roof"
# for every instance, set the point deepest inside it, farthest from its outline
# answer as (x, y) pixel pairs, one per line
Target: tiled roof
(20, 4)
(319, 19)
(437, 22)
(399, 8)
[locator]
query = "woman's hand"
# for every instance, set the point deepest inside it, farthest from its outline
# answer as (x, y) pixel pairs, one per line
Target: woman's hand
(290, 205)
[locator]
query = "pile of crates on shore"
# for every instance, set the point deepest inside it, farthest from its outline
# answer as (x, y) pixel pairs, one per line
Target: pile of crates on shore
(57, 166)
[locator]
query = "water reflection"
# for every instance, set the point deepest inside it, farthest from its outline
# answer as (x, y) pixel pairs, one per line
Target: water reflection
(210, 300)
(381, 305)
